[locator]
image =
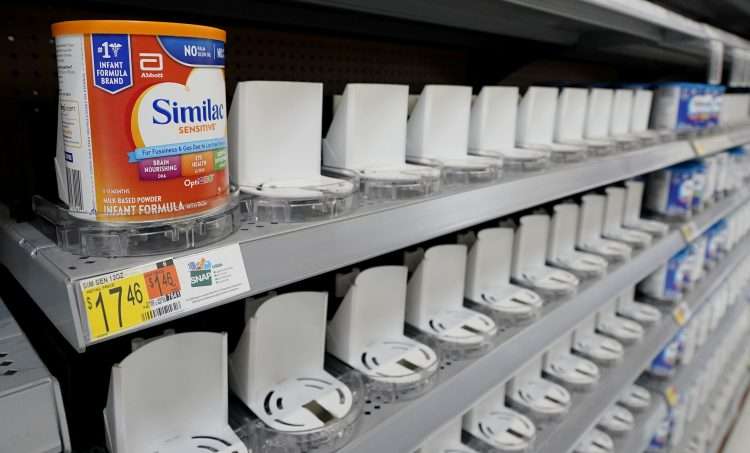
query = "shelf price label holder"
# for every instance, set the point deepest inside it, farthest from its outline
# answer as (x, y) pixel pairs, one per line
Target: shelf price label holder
(124, 300)
(681, 314)
(672, 395)
(689, 231)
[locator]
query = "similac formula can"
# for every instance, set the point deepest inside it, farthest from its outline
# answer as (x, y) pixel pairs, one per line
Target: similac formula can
(143, 119)
(682, 106)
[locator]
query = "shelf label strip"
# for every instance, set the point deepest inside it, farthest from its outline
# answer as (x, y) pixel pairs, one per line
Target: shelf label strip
(689, 231)
(672, 396)
(120, 301)
(698, 148)
(682, 314)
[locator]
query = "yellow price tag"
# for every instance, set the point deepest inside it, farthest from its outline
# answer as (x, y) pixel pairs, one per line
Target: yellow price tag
(698, 148)
(681, 314)
(116, 305)
(672, 395)
(120, 300)
(689, 231)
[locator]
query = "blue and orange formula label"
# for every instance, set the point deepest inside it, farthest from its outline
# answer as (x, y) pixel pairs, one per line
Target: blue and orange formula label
(143, 119)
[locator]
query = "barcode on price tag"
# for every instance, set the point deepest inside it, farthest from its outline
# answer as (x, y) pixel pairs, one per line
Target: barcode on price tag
(121, 301)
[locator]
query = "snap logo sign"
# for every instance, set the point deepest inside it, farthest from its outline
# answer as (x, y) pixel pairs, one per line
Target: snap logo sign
(201, 272)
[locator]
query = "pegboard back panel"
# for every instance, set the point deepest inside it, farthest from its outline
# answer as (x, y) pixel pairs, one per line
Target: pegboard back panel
(28, 54)
(263, 54)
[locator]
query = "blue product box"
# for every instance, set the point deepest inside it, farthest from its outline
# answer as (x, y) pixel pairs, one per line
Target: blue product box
(682, 105)
(670, 191)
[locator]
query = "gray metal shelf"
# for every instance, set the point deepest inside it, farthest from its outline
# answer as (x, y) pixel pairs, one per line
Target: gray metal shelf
(31, 409)
(394, 426)
(601, 23)
(638, 440)
(587, 409)
(700, 420)
(731, 415)
(687, 374)
(275, 255)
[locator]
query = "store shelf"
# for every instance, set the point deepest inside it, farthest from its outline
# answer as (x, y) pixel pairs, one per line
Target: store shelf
(31, 409)
(687, 374)
(587, 410)
(647, 423)
(699, 421)
(402, 426)
(591, 22)
(731, 417)
(275, 255)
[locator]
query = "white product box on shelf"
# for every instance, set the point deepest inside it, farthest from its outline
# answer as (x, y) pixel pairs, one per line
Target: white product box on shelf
(595, 441)
(277, 371)
(567, 369)
(494, 427)
(492, 131)
(488, 284)
(641, 115)
(690, 344)
(561, 249)
(171, 395)
(633, 207)
(624, 330)
(367, 333)
(635, 398)
(628, 307)
(438, 135)
(274, 147)
(620, 118)
(600, 349)
(614, 228)
(368, 137)
(590, 229)
(616, 421)
(541, 399)
(530, 267)
(598, 113)
(571, 122)
(434, 302)
(536, 125)
(711, 169)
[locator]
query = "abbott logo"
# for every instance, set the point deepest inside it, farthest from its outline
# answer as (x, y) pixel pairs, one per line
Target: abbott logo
(151, 61)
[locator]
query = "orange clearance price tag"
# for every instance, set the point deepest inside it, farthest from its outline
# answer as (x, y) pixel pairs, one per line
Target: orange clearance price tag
(121, 300)
(163, 281)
